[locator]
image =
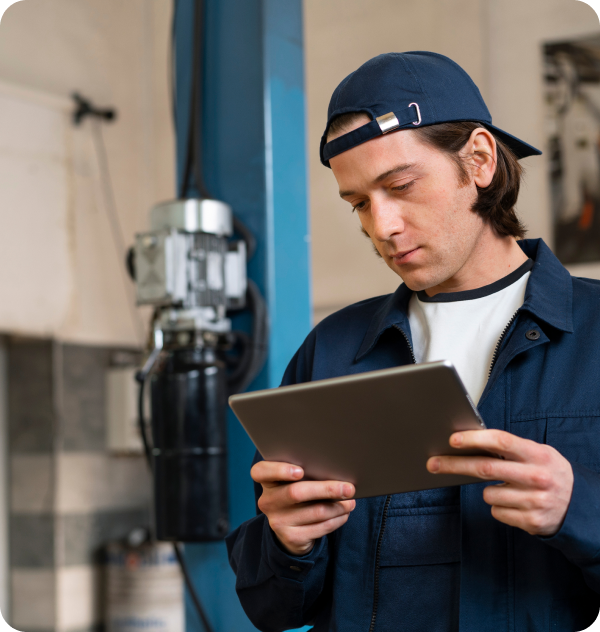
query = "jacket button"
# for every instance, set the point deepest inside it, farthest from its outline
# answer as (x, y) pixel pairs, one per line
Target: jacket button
(532, 334)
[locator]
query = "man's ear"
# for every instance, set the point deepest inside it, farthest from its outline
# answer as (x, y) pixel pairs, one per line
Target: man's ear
(481, 152)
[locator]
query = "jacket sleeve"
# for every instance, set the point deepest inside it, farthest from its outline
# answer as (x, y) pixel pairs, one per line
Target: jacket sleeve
(579, 536)
(278, 591)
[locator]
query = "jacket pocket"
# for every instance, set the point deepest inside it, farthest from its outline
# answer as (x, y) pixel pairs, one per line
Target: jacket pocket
(420, 570)
(577, 438)
(423, 536)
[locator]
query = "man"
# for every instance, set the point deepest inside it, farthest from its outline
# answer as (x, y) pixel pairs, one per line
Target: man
(434, 183)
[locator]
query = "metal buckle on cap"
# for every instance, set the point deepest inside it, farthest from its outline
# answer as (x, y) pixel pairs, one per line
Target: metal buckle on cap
(387, 122)
(418, 122)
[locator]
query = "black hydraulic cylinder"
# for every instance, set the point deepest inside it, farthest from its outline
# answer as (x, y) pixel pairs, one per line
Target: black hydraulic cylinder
(189, 404)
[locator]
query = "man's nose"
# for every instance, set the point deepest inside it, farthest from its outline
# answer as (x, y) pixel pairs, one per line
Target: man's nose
(386, 220)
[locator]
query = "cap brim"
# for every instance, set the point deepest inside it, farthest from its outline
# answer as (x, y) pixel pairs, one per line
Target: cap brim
(519, 148)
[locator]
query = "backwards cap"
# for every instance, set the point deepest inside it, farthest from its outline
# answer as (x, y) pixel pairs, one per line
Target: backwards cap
(408, 90)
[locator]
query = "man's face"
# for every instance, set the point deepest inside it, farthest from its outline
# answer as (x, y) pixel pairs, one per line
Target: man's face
(411, 203)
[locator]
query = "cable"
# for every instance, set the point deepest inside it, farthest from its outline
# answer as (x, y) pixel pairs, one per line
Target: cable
(256, 349)
(113, 218)
(245, 233)
(193, 157)
(191, 589)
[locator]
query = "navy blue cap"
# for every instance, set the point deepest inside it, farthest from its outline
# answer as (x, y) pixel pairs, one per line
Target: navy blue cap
(408, 90)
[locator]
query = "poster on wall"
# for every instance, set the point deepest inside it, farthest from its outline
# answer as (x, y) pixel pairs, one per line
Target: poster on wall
(572, 91)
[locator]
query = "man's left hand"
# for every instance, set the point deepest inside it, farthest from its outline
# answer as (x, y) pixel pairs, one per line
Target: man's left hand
(537, 479)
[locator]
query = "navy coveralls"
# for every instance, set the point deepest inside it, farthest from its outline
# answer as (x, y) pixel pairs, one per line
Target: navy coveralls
(436, 560)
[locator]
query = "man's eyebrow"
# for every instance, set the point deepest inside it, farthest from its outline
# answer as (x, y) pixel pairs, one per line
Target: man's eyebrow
(398, 169)
(382, 176)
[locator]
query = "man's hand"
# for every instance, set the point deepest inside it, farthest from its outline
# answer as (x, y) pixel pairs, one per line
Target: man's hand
(538, 480)
(301, 512)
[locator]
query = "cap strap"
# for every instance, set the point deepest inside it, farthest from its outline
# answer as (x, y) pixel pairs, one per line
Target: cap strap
(377, 127)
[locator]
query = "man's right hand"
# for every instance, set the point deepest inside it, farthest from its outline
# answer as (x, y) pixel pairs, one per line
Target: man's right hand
(301, 512)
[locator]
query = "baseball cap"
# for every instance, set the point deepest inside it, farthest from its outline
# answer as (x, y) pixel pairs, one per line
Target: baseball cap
(408, 90)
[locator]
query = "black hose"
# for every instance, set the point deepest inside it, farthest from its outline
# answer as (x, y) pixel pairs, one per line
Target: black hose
(245, 233)
(193, 157)
(190, 586)
(142, 422)
(141, 378)
(258, 345)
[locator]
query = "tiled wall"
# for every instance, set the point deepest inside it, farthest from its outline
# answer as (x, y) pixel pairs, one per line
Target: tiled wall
(68, 496)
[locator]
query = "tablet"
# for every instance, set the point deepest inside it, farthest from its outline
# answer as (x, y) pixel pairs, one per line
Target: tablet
(375, 430)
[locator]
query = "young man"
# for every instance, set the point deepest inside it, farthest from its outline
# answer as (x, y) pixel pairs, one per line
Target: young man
(434, 183)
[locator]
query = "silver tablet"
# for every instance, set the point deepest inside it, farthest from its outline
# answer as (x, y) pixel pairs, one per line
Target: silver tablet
(375, 430)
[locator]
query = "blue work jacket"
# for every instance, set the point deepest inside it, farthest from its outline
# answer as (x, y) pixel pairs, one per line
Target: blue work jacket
(437, 560)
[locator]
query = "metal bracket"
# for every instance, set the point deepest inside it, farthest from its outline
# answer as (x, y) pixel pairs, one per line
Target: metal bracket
(387, 122)
(417, 122)
(85, 108)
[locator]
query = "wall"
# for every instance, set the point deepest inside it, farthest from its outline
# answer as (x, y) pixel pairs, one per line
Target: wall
(67, 496)
(67, 275)
(498, 43)
(517, 31)
(64, 287)
(340, 36)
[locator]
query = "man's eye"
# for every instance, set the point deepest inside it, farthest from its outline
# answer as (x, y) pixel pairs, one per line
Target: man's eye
(359, 207)
(403, 187)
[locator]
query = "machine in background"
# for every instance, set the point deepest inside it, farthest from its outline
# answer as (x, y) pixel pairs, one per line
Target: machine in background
(194, 275)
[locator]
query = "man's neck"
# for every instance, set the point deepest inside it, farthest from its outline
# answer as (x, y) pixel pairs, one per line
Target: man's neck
(492, 259)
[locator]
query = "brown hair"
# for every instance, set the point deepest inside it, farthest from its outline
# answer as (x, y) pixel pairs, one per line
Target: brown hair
(496, 202)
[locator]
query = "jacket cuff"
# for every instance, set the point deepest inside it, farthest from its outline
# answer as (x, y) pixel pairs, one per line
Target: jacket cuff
(579, 537)
(289, 566)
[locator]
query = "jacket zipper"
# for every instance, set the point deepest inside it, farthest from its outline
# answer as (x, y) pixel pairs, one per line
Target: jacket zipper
(501, 340)
(412, 353)
(377, 561)
(388, 500)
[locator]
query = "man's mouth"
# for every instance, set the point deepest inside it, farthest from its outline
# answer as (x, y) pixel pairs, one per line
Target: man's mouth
(404, 256)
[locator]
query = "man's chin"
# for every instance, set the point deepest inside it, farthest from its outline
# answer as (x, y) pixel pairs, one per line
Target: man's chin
(414, 280)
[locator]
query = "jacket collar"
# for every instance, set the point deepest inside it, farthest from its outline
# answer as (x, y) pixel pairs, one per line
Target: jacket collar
(548, 297)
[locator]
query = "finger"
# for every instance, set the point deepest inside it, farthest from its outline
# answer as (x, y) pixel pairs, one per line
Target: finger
(310, 491)
(516, 518)
(516, 498)
(272, 473)
(500, 442)
(321, 512)
(299, 535)
(491, 469)
(313, 513)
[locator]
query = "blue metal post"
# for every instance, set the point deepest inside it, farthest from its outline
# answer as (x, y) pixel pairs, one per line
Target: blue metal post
(255, 160)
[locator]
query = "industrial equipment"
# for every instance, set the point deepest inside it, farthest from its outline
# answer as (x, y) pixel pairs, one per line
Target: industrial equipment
(194, 275)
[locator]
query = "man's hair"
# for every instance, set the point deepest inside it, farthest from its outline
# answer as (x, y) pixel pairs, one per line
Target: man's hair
(496, 202)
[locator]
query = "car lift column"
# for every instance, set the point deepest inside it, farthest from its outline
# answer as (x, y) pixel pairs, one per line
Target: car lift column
(255, 160)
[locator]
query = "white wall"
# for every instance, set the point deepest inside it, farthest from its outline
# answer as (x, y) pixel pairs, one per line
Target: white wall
(340, 35)
(517, 30)
(67, 278)
(497, 42)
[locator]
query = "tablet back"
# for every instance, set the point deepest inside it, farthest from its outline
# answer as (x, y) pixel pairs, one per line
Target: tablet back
(375, 430)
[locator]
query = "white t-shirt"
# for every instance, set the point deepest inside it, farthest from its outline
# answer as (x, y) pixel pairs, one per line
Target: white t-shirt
(465, 327)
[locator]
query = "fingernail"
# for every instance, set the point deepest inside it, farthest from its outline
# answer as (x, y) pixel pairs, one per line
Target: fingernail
(434, 465)
(457, 439)
(346, 491)
(296, 471)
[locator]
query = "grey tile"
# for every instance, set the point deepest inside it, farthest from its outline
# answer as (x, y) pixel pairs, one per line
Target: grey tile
(32, 484)
(31, 541)
(30, 396)
(33, 599)
(86, 534)
(83, 398)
